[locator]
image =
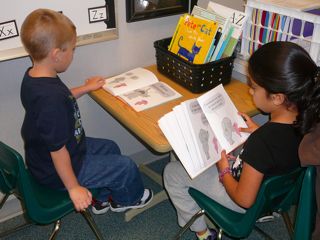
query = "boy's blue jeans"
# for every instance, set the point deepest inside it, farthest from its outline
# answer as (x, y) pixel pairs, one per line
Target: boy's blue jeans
(114, 174)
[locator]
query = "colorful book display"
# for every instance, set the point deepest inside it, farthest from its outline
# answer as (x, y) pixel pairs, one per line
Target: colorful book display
(198, 129)
(193, 38)
(207, 34)
(222, 32)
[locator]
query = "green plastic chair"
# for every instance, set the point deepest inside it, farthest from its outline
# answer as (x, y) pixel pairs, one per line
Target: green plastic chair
(306, 212)
(42, 205)
(276, 194)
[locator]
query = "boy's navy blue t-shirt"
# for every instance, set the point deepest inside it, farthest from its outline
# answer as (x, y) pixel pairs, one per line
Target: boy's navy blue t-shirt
(52, 120)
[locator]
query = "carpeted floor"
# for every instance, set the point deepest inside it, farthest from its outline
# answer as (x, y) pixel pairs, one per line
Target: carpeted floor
(157, 223)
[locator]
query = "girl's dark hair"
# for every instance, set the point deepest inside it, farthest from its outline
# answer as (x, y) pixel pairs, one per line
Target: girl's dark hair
(285, 67)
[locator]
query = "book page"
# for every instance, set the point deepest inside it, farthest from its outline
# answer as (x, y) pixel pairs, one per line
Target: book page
(150, 96)
(130, 80)
(170, 128)
(223, 118)
(191, 137)
(204, 140)
(195, 157)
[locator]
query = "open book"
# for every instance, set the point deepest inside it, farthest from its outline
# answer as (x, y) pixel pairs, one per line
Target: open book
(198, 129)
(140, 88)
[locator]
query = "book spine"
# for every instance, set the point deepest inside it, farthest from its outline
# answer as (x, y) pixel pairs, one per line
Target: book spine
(225, 35)
(231, 45)
(212, 47)
(224, 44)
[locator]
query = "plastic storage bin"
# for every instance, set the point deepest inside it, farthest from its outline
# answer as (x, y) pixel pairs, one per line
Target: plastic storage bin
(268, 22)
(197, 78)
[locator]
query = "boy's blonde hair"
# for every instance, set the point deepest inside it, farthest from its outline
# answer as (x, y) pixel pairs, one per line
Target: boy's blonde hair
(45, 29)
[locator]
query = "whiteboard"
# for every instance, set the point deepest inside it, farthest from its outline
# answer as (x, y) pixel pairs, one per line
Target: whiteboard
(94, 20)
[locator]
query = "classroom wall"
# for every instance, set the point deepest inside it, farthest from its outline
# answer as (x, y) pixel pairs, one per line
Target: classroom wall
(134, 48)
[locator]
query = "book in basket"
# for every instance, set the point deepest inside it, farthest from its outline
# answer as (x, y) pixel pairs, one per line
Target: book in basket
(223, 32)
(140, 88)
(238, 20)
(199, 129)
(192, 38)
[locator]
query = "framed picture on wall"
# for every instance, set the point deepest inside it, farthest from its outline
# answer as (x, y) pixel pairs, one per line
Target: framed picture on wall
(138, 10)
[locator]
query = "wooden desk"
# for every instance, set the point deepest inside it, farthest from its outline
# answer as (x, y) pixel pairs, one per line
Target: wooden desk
(144, 124)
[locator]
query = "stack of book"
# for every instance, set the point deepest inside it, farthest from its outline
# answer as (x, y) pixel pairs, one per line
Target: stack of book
(207, 35)
(199, 129)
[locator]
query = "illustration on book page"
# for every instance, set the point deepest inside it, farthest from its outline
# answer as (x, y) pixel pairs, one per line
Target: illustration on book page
(196, 133)
(223, 118)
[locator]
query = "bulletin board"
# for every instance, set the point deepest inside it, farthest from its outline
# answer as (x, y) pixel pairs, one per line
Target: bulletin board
(95, 21)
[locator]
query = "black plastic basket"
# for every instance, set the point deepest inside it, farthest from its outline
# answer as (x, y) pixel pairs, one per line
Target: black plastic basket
(197, 78)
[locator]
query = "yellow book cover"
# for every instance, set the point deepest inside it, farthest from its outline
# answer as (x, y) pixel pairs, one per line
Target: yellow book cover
(193, 38)
(181, 19)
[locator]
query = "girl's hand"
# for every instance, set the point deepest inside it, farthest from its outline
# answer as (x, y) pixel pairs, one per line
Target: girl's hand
(94, 83)
(223, 162)
(252, 126)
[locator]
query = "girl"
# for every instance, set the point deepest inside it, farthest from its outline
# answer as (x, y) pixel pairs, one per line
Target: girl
(278, 77)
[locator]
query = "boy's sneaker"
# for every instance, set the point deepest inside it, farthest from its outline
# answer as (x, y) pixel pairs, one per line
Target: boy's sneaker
(99, 207)
(144, 201)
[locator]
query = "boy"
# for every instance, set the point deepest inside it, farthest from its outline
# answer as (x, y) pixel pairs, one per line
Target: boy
(58, 154)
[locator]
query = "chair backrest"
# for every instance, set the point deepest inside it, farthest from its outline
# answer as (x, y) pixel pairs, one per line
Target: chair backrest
(276, 193)
(14, 173)
(9, 169)
(306, 211)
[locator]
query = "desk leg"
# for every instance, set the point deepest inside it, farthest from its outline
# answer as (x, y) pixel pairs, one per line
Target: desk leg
(151, 174)
(157, 198)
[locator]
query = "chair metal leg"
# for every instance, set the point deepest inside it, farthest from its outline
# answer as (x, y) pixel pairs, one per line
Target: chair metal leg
(288, 223)
(55, 230)
(85, 213)
(188, 224)
(220, 234)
